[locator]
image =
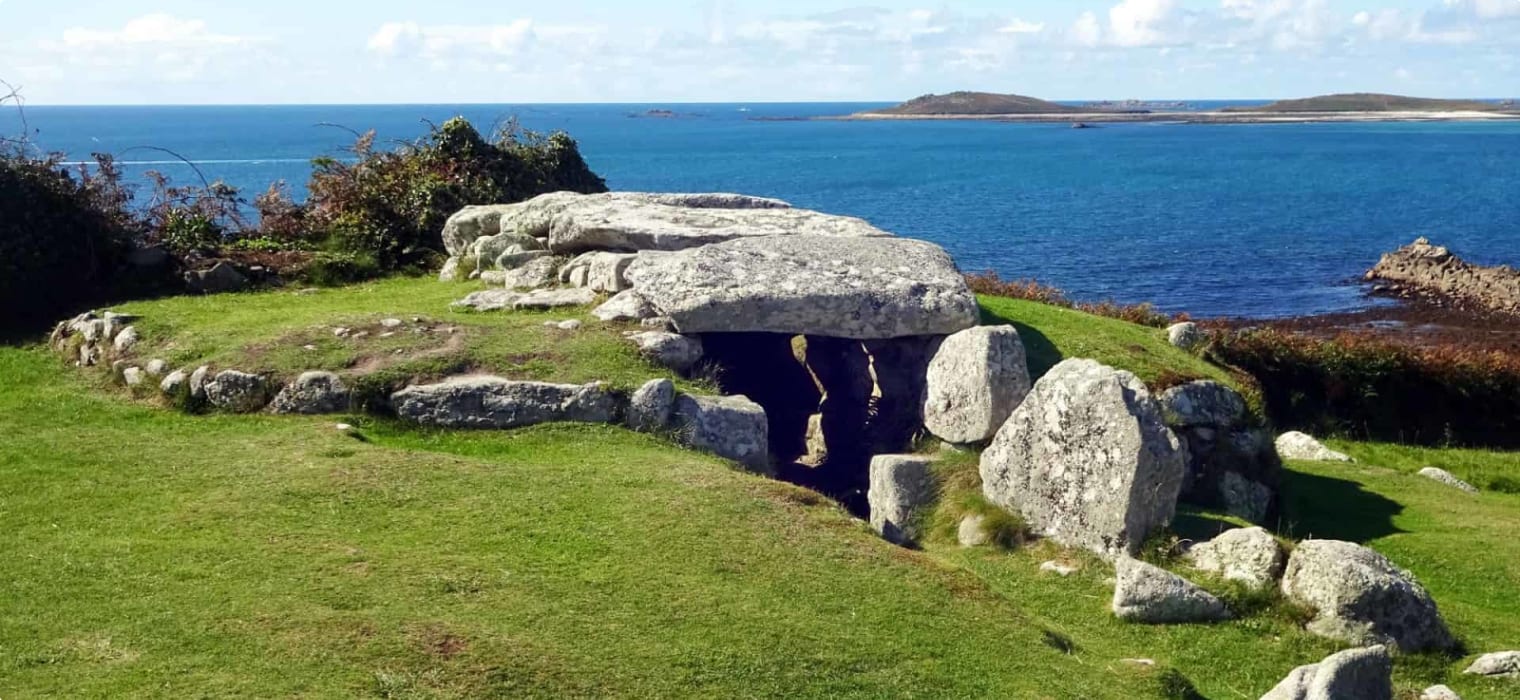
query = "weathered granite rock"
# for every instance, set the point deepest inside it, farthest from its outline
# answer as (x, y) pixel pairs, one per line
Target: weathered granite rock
(220, 279)
(627, 226)
(1244, 498)
(1187, 336)
(670, 350)
(198, 379)
(536, 216)
(1057, 568)
(1504, 664)
(175, 384)
(489, 300)
(650, 408)
(238, 392)
(1206, 403)
(976, 379)
(543, 299)
(728, 426)
(1423, 269)
(473, 223)
(127, 339)
(1249, 555)
(627, 305)
(134, 376)
(1086, 460)
(600, 272)
(493, 402)
(1439, 692)
(1296, 445)
(861, 288)
(1354, 674)
(1448, 478)
(450, 271)
(488, 249)
(901, 487)
(492, 278)
(1152, 595)
(156, 368)
(313, 393)
(515, 257)
(534, 274)
(1362, 598)
(972, 531)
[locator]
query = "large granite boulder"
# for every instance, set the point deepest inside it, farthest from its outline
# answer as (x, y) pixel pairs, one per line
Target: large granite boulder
(1250, 555)
(901, 487)
(676, 352)
(976, 379)
(533, 274)
(1087, 460)
(1360, 597)
(650, 408)
(238, 392)
(1354, 674)
(493, 402)
(473, 223)
(1232, 463)
(728, 426)
(1152, 595)
(1187, 336)
(860, 288)
(312, 393)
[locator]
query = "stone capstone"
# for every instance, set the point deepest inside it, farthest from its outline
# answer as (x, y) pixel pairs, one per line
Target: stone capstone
(676, 352)
(858, 288)
(1360, 597)
(473, 223)
(493, 402)
(238, 392)
(1250, 555)
(976, 379)
(1086, 460)
(1354, 674)
(1152, 595)
(729, 426)
(629, 226)
(1296, 445)
(313, 393)
(902, 486)
(650, 408)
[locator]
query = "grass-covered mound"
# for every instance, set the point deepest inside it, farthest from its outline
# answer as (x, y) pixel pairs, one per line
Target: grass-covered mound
(1370, 102)
(157, 553)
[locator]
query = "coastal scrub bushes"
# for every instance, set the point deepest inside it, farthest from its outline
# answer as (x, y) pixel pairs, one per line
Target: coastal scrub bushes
(1365, 388)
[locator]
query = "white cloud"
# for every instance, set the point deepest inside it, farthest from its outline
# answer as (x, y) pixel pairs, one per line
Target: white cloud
(151, 29)
(1019, 26)
(1138, 22)
(1087, 31)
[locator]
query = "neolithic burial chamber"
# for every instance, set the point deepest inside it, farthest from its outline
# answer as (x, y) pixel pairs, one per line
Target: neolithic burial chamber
(826, 321)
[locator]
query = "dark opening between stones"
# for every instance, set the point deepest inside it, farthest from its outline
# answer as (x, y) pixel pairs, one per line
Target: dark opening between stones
(831, 403)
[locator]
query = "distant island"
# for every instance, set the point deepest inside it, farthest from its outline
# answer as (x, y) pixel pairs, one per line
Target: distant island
(1371, 102)
(1326, 108)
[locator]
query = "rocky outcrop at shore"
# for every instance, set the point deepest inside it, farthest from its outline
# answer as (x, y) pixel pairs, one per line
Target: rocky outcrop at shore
(1422, 270)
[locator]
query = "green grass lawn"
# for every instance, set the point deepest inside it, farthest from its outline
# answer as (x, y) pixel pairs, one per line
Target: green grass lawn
(152, 553)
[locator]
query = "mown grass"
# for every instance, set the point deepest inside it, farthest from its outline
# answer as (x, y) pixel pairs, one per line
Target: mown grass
(1052, 334)
(154, 553)
(287, 332)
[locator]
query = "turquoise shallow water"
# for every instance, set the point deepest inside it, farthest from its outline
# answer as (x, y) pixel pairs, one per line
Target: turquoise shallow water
(1248, 220)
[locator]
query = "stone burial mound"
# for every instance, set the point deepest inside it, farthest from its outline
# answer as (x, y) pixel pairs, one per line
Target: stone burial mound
(826, 321)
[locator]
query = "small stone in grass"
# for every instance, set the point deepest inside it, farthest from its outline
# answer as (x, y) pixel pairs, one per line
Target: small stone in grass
(341, 332)
(1058, 568)
(343, 427)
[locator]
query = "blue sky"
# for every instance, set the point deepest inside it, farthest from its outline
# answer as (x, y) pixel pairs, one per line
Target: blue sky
(284, 51)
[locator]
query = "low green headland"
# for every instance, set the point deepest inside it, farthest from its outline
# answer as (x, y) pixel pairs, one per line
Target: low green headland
(155, 553)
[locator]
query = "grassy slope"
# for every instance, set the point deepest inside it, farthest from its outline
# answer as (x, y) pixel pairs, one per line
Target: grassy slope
(154, 553)
(976, 103)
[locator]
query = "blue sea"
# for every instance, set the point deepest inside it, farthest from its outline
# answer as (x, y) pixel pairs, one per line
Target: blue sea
(1228, 220)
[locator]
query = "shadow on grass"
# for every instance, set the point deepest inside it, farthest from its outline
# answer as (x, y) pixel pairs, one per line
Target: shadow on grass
(1200, 526)
(1325, 507)
(1042, 354)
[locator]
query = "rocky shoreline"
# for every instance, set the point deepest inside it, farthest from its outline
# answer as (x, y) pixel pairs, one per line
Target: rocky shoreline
(1211, 117)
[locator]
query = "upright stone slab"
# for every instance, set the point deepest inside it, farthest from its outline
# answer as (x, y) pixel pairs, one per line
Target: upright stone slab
(976, 379)
(1087, 460)
(1232, 464)
(728, 426)
(1360, 597)
(901, 487)
(859, 288)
